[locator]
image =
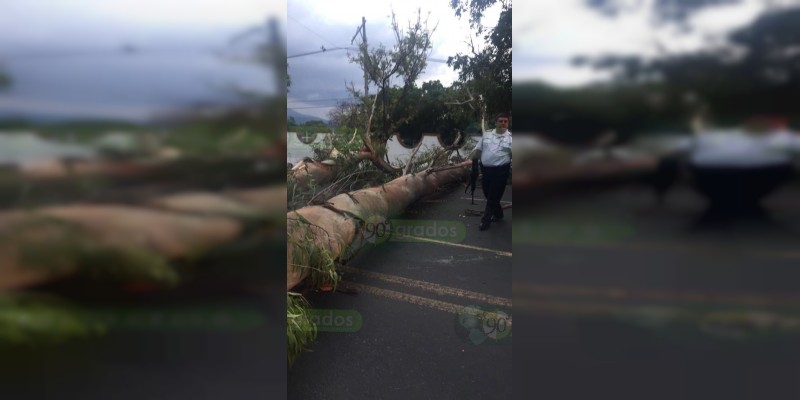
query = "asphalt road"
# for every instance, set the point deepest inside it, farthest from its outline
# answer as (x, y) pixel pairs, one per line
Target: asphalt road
(617, 297)
(411, 343)
(219, 336)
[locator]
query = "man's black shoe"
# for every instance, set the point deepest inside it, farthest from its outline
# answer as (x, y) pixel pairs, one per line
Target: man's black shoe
(484, 225)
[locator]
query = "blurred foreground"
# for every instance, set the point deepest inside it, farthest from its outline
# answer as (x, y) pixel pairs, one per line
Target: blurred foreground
(140, 250)
(620, 294)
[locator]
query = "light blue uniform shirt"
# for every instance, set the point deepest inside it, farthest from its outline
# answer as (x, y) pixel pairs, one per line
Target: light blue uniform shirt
(495, 148)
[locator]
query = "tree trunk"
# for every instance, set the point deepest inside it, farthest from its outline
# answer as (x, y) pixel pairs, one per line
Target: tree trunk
(309, 172)
(333, 230)
(135, 241)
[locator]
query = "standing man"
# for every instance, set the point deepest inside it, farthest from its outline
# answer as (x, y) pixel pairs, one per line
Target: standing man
(494, 153)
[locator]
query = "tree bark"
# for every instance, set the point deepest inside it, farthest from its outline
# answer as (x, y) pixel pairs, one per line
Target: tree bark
(334, 228)
(48, 243)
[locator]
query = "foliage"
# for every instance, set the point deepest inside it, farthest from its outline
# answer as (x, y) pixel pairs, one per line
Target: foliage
(665, 11)
(581, 114)
(433, 111)
(315, 122)
(270, 53)
(353, 173)
(300, 330)
(57, 245)
(308, 254)
(27, 319)
(431, 108)
(404, 108)
(382, 67)
(81, 131)
(487, 70)
(352, 113)
(314, 129)
(203, 140)
(756, 72)
(5, 80)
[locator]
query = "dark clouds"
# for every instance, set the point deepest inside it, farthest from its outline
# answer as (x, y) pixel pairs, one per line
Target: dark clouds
(68, 62)
(324, 76)
(319, 79)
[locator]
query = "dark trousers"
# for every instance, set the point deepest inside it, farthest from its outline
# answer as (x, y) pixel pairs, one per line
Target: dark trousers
(494, 185)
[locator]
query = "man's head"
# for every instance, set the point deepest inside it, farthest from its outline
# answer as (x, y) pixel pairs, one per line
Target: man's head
(501, 123)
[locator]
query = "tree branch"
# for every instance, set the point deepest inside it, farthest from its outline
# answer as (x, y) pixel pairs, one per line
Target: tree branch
(410, 160)
(355, 133)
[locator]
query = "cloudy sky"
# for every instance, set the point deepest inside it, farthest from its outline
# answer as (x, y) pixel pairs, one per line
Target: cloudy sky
(319, 79)
(65, 57)
(548, 34)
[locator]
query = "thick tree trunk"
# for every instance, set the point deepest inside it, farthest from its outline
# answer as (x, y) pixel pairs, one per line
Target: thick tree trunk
(139, 241)
(335, 227)
(530, 178)
(309, 171)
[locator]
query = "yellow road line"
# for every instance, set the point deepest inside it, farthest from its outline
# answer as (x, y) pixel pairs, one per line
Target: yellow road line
(464, 246)
(410, 298)
(776, 254)
(650, 246)
(649, 311)
(439, 305)
(569, 308)
(600, 245)
(501, 202)
(750, 300)
(432, 287)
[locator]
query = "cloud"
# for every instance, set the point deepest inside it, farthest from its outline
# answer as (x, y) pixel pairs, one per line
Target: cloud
(561, 74)
(313, 24)
(561, 30)
(64, 56)
(101, 23)
(55, 108)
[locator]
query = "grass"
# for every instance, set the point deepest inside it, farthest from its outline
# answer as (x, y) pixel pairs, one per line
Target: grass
(319, 129)
(306, 254)
(27, 319)
(203, 139)
(83, 131)
(57, 245)
(300, 330)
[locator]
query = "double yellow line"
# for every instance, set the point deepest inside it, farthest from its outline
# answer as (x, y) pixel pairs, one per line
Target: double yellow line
(587, 301)
(572, 300)
(425, 286)
(695, 249)
(659, 296)
(463, 246)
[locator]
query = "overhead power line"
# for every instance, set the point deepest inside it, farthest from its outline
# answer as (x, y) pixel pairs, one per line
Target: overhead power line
(121, 52)
(308, 108)
(310, 30)
(316, 100)
(322, 50)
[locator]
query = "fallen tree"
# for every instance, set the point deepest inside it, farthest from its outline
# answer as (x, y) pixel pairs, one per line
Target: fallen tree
(322, 235)
(319, 236)
(595, 171)
(130, 242)
(126, 182)
(540, 163)
(309, 172)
